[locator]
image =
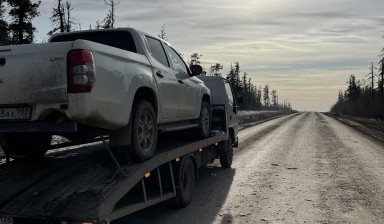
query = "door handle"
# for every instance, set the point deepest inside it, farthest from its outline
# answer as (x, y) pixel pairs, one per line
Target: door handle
(180, 81)
(158, 73)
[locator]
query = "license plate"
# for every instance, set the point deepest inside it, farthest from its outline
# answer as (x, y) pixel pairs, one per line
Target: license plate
(22, 113)
(6, 220)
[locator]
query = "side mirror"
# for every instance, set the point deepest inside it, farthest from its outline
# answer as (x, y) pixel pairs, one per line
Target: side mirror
(196, 70)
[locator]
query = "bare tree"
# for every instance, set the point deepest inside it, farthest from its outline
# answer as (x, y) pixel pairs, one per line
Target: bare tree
(61, 18)
(57, 18)
(371, 77)
(69, 20)
(109, 20)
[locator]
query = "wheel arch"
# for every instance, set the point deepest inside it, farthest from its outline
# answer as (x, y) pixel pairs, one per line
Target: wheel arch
(146, 93)
(207, 98)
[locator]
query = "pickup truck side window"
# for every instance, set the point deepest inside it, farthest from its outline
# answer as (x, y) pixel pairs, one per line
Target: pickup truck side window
(157, 50)
(175, 60)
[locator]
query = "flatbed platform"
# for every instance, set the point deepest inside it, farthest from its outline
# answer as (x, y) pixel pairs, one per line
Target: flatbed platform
(85, 183)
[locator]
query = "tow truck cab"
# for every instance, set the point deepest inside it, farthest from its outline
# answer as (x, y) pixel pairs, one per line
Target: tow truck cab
(222, 95)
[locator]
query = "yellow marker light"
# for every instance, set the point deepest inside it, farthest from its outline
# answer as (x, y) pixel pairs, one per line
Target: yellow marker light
(79, 222)
(178, 159)
(147, 174)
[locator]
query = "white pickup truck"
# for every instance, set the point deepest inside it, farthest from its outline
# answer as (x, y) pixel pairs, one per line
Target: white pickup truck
(119, 82)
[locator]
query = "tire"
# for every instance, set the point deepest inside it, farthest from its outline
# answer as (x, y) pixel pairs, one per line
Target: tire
(144, 131)
(226, 154)
(26, 145)
(187, 179)
(205, 120)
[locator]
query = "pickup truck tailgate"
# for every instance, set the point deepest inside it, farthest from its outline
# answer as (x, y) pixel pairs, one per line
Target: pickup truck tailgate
(34, 73)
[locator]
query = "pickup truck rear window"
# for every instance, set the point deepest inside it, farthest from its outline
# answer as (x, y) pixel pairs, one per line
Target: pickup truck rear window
(119, 39)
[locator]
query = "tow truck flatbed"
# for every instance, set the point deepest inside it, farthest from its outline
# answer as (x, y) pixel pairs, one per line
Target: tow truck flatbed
(86, 184)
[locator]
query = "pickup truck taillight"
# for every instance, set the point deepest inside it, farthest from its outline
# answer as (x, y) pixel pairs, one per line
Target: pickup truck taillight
(81, 71)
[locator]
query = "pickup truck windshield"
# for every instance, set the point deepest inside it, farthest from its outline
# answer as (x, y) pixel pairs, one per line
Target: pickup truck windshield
(119, 39)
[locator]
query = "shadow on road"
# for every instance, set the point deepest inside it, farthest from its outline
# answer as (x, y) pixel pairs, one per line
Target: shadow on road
(210, 194)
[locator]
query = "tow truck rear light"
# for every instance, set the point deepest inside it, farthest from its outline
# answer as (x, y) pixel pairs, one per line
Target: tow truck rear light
(81, 71)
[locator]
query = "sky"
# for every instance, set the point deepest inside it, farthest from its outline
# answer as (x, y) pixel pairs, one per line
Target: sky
(305, 50)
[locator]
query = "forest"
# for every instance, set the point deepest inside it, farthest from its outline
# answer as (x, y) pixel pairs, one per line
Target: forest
(363, 98)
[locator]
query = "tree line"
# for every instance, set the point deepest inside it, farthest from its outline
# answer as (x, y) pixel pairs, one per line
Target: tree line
(16, 20)
(17, 28)
(363, 98)
(254, 98)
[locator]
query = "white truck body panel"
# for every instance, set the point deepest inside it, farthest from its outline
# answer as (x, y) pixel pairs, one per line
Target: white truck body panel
(35, 75)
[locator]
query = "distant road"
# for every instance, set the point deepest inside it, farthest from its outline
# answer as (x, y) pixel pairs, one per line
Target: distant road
(302, 168)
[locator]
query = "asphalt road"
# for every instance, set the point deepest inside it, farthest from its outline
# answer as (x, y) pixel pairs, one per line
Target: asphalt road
(302, 168)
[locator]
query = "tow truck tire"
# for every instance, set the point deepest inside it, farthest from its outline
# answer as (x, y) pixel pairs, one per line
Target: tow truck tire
(187, 179)
(226, 154)
(144, 131)
(26, 145)
(205, 119)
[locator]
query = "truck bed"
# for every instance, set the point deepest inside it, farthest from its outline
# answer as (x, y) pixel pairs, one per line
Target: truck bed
(82, 183)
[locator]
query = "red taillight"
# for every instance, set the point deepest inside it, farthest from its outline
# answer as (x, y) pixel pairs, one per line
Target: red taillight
(81, 71)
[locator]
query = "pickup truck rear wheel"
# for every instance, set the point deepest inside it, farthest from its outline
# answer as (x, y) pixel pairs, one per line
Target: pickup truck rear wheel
(205, 119)
(26, 145)
(144, 131)
(226, 153)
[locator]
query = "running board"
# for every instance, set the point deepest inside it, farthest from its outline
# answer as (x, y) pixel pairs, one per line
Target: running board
(178, 127)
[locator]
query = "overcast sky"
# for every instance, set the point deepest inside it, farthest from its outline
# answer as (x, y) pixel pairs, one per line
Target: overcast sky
(305, 50)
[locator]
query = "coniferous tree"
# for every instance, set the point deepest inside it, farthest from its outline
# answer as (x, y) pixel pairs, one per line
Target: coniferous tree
(215, 69)
(163, 34)
(3, 25)
(266, 96)
(21, 29)
(381, 73)
(195, 59)
(274, 99)
(231, 76)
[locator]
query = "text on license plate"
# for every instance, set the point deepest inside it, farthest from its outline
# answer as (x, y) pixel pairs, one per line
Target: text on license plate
(6, 220)
(15, 114)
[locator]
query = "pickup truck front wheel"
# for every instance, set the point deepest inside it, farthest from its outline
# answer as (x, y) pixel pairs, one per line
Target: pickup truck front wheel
(26, 145)
(205, 120)
(144, 131)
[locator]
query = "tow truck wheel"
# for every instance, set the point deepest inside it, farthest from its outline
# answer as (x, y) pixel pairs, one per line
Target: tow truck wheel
(144, 131)
(226, 154)
(205, 119)
(187, 180)
(26, 145)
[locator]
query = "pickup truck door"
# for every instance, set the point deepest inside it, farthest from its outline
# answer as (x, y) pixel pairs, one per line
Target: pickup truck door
(188, 92)
(166, 81)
